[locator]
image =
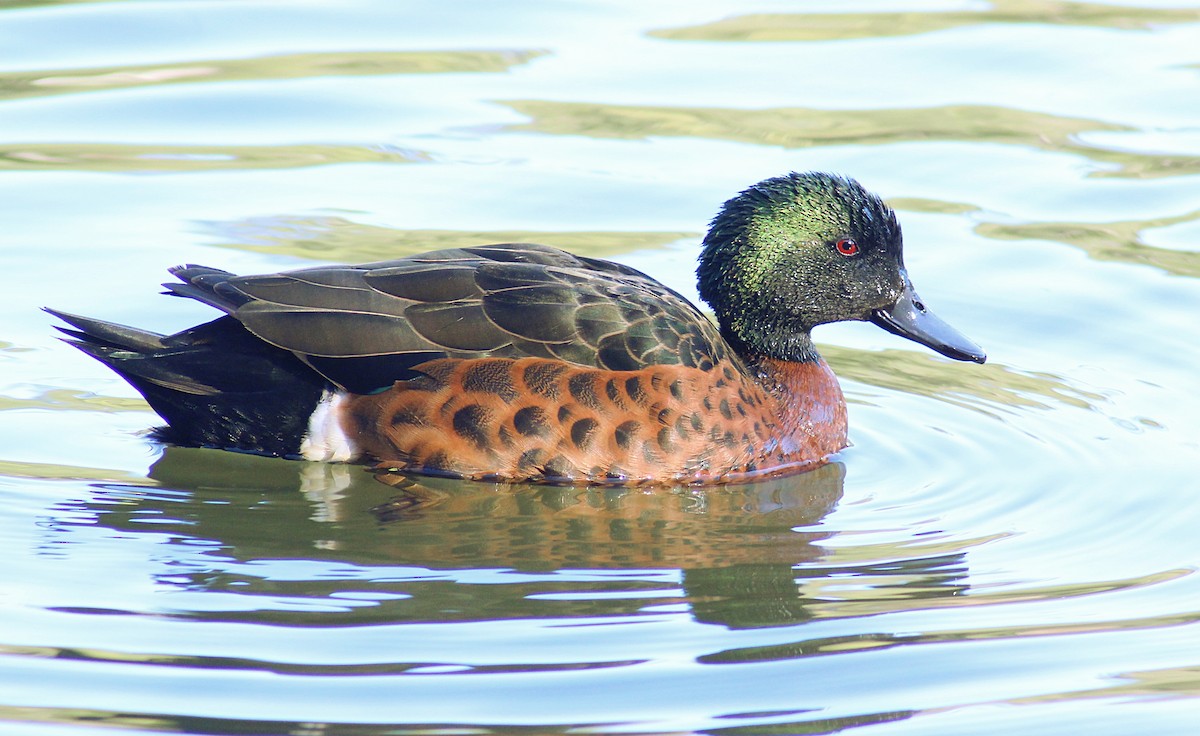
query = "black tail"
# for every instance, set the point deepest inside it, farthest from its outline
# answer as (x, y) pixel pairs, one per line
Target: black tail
(216, 385)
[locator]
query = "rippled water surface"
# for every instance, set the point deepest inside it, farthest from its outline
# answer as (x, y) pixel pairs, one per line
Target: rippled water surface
(1006, 548)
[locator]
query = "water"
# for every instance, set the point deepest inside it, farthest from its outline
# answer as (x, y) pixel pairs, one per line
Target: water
(1008, 546)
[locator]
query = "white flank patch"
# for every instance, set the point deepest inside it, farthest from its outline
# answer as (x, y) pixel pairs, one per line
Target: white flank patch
(325, 440)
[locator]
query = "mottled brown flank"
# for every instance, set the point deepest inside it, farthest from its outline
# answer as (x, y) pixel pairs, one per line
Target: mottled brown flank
(582, 386)
(539, 419)
(541, 377)
(633, 387)
(532, 421)
(625, 432)
(486, 376)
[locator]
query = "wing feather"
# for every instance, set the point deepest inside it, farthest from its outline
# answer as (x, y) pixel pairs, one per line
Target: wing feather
(511, 299)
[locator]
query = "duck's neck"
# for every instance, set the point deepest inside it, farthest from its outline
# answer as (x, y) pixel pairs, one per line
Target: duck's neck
(782, 344)
(809, 399)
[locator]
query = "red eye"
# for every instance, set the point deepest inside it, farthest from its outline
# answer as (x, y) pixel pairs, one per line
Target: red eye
(847, 247)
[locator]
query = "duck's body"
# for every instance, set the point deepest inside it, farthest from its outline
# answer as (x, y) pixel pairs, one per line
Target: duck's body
(539, 419)
(524, 362)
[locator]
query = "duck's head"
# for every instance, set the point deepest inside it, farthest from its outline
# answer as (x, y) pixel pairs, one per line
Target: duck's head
(801, 250)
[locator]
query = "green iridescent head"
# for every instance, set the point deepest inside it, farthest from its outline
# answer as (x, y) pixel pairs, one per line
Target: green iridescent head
(796, 251)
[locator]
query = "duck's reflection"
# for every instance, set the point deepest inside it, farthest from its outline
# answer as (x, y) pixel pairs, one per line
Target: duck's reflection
(742, 556)
(437, 523)
(547, 527)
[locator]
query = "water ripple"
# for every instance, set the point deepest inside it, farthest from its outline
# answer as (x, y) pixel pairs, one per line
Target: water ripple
(38, 83)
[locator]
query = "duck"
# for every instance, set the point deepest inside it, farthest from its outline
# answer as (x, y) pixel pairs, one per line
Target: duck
(520, 362)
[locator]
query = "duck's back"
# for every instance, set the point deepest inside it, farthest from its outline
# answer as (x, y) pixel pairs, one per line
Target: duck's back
(364, 327)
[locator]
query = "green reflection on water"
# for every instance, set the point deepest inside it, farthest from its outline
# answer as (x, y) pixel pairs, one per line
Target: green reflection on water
(931, 206)
(983, 388)
(867, 607)
(840, 26)
(1171, 682)
(37, 83)
(1107, 241)
(87, 718)
(818, 727)
(153, 722)
(339, 239)
(798, 127)
(48, 471)
(64, 399)
(19, 4)
(1104, 241)
(149, 158)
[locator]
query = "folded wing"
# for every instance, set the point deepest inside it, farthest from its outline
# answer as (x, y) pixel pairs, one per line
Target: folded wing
(364, 327)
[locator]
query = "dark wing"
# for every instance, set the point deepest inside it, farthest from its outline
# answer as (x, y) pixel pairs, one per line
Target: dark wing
(366, 326)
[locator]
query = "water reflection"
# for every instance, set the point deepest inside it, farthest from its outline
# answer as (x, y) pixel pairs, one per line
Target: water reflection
(202, 725)
(349, 512)
(18, 4)
(331, 238)
(837, 26)
(37, 83)
(754, 595)
(1107, 241)
(801, 127)
(1177, 682)
(329, 545)
(152, 158)
(992, 386)
(319, 545)
(67, 399)
(326, 544)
